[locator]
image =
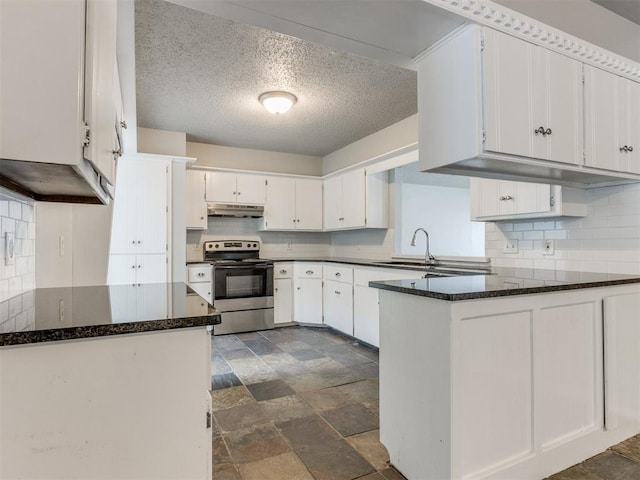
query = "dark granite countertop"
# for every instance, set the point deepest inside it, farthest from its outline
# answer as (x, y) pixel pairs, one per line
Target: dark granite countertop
(53, 314)
(503, 282)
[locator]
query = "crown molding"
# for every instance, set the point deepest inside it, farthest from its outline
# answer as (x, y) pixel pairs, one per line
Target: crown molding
(490, 14)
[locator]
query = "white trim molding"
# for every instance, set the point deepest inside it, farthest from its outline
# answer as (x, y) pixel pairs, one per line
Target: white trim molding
(490, 14)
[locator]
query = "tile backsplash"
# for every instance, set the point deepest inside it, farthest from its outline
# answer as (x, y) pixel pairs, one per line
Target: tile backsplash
(606, 240)
(17, 217)
(274, 244)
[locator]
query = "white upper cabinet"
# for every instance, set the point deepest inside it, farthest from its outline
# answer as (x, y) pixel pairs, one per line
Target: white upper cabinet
(57, 88)
(356, 199)
(293, 204)
(612, 107)
(507, 200)
(533, 100)
(242, 188)
(140, 207)
(496, 106)
(196, 217)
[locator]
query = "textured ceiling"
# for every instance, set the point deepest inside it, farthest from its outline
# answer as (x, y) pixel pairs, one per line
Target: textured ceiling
(201, 74)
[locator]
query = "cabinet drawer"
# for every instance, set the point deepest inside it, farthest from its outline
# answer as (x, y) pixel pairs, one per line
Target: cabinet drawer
(283, 270)
(199, 273)
(362, 276)
(338, 273)
(307, 270)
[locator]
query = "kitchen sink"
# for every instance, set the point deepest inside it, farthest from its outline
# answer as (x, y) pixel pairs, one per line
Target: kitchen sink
(433, 271)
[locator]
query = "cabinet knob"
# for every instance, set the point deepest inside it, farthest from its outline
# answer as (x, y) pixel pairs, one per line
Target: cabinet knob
(235, 193)
(298, 220)
(337, 292)
(133, 266)
(200, 274)
(309, 272)
(630, 148)
(139, 266)
(201, 218)
(341, 218)
(506, 197)
(139, 242)
(294, 220)
(547, 131)
(338, 274)
(133, 242)
(283, 271)
(298, 288)
(239, 193)
(275, 289)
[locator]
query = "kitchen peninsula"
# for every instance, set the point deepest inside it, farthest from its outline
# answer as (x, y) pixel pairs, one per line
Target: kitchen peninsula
(106, 382)
(516, 374)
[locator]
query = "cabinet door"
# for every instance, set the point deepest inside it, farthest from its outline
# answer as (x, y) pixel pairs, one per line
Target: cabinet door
(100, 64)
(366, 315)
(531, 197)
(629, 93)
(338, 306)
(123, 226)
(557, 106)
(283, 300)
(122, 269)
(151, 268)
(252, 189)
(308, 204)
(153, 302)
(196, 204)
(151, 204)
(622, 360)
(332, 201)
(280, 209)
(601, 119)
(353, 199)
(508, 94)
(221, 187)
(307, 305)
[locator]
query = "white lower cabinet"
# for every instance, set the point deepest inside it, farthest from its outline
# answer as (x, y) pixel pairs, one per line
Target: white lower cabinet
(135, 269)
(366, 315)
(621, 360)
(200, 279)
(283, 292)
(307, 294)
(338, 297)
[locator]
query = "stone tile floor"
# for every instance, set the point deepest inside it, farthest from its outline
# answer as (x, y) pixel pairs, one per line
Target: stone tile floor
(301, 403)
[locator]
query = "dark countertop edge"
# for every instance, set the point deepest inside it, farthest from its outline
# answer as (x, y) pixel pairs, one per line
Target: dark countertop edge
(93, 331)
(454, 297)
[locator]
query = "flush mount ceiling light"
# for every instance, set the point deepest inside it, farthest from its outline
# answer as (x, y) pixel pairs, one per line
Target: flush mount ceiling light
(277, 102)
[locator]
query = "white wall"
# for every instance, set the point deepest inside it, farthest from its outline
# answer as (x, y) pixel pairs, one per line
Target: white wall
(398, 135)
(444, 212)
(17, 216)
(606, 240)
(248, 159)
(162, 142)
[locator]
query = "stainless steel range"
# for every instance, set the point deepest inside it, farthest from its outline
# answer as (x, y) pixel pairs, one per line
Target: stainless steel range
(242, 285)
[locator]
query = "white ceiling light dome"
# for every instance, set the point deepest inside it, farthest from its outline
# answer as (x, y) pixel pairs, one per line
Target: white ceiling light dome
(277, 102)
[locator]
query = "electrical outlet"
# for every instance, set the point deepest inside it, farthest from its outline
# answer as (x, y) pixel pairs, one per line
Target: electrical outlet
(510, 245)
(548, 248)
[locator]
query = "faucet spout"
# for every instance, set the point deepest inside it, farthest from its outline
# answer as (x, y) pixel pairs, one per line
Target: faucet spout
(428, 258)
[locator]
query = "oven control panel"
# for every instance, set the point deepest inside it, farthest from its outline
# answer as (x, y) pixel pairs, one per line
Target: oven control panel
(232, 245)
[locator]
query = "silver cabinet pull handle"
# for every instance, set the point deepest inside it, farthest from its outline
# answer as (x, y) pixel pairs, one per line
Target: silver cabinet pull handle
(338, 274)
(309, 272)
(506, 197)
(337, 292)
(283, 271)
(200, 274)
(626, 148)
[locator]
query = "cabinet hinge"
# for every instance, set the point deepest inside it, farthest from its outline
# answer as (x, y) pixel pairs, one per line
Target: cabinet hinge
(166, 247)
(209, 422)
(583, 76)
(482, 41)
(166, 169)
(166, 208)
(484, 136)
(552, 201)
(266, 182)
(87, 134)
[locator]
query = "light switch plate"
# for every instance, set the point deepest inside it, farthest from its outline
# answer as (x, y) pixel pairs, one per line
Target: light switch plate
(510, 245)
(9, 248)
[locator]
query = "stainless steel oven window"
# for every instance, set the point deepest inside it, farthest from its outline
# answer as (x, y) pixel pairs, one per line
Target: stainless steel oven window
(243, 282)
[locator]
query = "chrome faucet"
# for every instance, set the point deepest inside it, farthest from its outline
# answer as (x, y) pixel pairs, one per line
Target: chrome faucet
(428, 258)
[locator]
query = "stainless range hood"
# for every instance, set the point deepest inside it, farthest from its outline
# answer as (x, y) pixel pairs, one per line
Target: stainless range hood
(234, 210)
